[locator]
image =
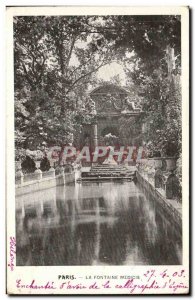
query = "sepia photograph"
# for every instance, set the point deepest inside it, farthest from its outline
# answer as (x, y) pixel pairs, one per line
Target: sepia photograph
(98, 148)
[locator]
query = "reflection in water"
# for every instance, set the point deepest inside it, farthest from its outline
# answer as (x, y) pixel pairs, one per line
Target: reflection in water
(94, 224)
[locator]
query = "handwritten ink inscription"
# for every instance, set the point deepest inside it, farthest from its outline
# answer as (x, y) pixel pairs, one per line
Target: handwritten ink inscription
(149, 282)
(12, 252)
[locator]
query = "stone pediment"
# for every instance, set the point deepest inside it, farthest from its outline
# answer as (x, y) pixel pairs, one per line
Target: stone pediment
(112, 99)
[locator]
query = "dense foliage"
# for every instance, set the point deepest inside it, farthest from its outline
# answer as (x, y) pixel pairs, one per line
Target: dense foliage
(56, 59)
(154, 68)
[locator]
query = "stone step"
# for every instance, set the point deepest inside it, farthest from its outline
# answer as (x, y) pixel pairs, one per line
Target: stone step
(92, 169)
(114, 170)
(108, 171)
(107, 166)
(114, 167)
(105, 178)
(114, 174)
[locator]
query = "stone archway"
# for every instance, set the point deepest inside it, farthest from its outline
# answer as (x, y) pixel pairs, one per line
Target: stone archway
(111, 103)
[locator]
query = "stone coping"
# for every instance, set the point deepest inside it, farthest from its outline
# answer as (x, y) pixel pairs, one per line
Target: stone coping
(163, 157)
(33, 182)
(30, 182)
(173, 207)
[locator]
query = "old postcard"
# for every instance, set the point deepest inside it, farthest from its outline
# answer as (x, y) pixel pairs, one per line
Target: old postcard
(97, 150)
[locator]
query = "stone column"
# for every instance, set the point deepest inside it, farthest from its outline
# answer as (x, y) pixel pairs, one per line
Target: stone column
(52, 170)
(62, 174)
(19, 173)
(38, 171)
(95, 139)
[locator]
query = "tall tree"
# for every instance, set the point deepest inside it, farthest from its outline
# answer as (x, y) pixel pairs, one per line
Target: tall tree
(150, 48)
(55, 59)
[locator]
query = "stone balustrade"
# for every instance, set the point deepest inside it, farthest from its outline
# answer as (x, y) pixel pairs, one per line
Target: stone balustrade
(54, 176)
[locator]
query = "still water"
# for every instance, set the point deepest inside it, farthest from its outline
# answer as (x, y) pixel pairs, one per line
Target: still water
(94, 224)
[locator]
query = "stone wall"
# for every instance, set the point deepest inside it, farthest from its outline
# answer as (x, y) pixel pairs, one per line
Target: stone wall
(44, 183)
(162, 172)
(167, 206)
